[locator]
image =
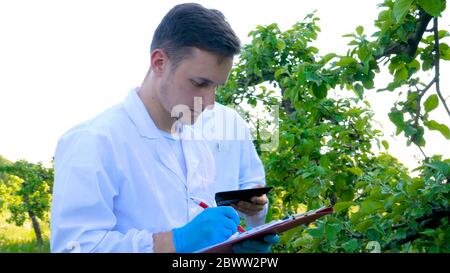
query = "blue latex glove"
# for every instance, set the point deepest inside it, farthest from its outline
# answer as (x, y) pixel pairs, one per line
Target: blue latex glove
(211, 226)
(254, 246)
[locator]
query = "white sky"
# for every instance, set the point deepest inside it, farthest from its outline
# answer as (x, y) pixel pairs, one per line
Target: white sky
(62, 62)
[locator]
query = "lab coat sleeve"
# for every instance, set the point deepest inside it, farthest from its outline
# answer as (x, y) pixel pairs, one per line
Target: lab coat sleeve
(251, 174)
(86, 183)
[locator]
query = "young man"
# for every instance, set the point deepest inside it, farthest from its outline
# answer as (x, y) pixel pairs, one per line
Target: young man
(124, 180)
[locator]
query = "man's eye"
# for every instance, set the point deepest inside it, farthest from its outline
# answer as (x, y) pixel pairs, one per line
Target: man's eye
(196, 84)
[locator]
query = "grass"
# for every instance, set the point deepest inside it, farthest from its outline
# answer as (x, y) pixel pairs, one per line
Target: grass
(14, 239)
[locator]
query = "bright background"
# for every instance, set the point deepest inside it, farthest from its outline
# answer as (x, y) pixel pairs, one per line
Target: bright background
(62, 62)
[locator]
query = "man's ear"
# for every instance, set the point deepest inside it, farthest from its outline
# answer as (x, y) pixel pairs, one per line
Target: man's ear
(159, 61)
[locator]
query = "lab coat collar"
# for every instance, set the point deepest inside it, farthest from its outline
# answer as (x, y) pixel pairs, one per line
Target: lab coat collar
(147, 129)
(139, 115)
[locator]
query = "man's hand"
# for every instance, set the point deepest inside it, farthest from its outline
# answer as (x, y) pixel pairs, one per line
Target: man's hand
(211, 226)
(255, 246)
(253, 207)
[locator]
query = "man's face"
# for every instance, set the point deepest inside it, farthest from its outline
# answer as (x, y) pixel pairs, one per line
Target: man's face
(190, 87)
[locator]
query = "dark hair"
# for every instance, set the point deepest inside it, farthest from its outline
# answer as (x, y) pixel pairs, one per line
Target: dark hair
(191, 25)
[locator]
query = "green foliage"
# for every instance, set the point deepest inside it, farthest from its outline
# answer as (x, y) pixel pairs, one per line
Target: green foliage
(431, 103)
(432, 7)
(26, 191)
(434, 125)
(15, 239)
(4, 161)
(401, 8)
(325, 153)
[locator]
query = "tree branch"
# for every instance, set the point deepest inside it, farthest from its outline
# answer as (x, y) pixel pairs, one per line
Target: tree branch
(418, 116)
(410, 48)
(423, 153)
(252, 80)
(437, 56)
(427, 221)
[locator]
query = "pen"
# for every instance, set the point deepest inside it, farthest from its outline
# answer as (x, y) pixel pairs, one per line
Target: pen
(205, 206)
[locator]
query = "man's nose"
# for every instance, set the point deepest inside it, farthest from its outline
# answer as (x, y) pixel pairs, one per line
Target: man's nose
(209, 99)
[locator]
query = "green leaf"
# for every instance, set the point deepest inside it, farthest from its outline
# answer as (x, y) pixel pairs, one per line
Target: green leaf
(442, 33)
(279, 72)
(432, 7)
(419, 136)
(445, 54)
(401, 74)
(414, 186)
(347, 195)
(327, 58)
(313, 76)
(340, 206)
(281, 45)
(431, 103)
(444, 51)
(350, 245)
(401, 8)
(364, 54)
(332, 230)
(360, 30)
(355, 170)
(344, 61)
(436, 126)
(316, 233)
(440, 166)
(364, 225)
(313, 191)
(320, 91)
(385, 144)
(385, 15)
(368, 84)
(391, 86)
(397, 118)
(414, 66)
(427, 64)
(369, 206)
(252, 102)
(410, 130)
(394, 65)
(324, 161)
(359, 90)
(428, 232)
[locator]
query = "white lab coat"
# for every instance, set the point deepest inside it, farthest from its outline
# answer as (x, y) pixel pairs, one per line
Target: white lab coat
(238, 165)
(117, 183)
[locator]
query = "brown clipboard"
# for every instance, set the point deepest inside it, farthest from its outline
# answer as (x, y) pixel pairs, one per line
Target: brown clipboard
(277, 226)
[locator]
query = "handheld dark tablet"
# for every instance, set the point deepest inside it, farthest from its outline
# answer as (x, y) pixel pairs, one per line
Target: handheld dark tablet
(226, 198)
